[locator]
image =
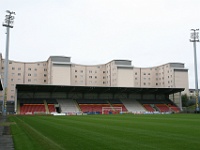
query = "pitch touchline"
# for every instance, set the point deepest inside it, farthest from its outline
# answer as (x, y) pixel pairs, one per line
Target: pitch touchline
(40, 134)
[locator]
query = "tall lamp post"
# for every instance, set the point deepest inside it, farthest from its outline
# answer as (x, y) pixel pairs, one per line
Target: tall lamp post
(194, 39)
(9, 20)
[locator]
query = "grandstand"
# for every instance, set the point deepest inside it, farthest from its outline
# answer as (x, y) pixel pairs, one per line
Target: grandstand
(73, 100)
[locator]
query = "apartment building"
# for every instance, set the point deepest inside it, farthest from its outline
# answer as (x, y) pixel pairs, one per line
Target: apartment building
(59, 70)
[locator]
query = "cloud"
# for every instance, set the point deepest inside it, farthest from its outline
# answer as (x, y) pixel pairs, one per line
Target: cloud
(149, 33)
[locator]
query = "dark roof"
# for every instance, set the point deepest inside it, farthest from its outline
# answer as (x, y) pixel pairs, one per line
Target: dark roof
(94, 89)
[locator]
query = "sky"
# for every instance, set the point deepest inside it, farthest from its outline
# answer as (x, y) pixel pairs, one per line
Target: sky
(147, 32)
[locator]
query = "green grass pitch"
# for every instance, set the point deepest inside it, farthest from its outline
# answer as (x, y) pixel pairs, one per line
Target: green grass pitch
(107, 132)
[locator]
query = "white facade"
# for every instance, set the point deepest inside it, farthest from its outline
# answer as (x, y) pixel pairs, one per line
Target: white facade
(58, 70)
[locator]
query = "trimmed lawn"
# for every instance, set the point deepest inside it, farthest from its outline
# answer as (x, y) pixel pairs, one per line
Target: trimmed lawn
(106, 132)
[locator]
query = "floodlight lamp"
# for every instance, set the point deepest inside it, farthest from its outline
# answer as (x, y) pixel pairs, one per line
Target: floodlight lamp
(195, 29)
(195, 36)
(10, 12)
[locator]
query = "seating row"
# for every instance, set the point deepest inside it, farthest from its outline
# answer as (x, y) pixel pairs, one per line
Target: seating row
(161, 107)
(36, 108)
(32, 108)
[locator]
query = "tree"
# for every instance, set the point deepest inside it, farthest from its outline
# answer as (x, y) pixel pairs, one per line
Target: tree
(185, 100)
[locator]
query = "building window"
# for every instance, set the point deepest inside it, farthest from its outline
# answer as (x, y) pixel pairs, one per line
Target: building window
(75, 70)
(90, 77)
(19, 74)
(29, 74)
(29, 69)
(45, 75)
(90, 71)
(13, 68)
(29, 80)
(45, 69)
(19, 68)
(75, 76)
(45, 80)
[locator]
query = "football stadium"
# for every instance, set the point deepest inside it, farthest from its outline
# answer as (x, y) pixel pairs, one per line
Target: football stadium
(56, 104)
(82, 117)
